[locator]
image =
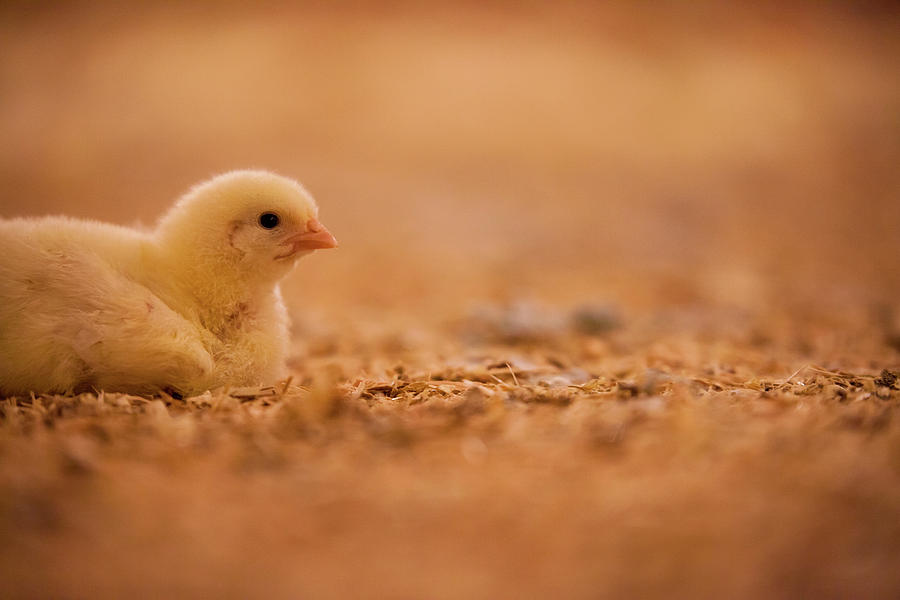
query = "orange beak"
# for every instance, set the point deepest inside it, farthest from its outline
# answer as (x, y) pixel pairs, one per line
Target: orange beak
(316, 237)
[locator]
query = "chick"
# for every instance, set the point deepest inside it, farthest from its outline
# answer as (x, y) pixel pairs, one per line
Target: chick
(188, 306)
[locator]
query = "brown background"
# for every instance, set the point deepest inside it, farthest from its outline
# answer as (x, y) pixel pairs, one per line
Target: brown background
(722, 180)
(733, 149)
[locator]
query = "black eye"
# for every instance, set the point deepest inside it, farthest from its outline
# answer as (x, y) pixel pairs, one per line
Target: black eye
(269, 220)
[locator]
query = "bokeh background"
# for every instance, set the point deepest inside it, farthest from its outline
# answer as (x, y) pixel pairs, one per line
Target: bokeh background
(688, 209)
(645, 154)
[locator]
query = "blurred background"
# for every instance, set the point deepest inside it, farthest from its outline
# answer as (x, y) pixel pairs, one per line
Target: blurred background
(646, 154)
(615, 292)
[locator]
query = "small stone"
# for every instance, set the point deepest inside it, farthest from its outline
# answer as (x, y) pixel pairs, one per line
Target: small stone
(596, 319)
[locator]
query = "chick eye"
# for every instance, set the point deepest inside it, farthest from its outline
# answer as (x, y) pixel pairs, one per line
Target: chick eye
(269, 220)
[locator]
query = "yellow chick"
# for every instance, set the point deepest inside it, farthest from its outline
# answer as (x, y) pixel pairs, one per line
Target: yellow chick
(191, 305)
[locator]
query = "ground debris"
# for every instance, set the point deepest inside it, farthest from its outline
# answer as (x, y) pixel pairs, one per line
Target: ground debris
(527, 322)
(888, 379)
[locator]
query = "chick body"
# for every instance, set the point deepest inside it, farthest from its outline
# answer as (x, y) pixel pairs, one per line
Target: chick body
(189, 306)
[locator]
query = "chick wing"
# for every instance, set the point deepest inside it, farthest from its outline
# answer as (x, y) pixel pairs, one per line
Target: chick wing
(71, 319)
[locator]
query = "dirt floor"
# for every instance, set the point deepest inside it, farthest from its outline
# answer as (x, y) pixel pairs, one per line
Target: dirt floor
(615, 312)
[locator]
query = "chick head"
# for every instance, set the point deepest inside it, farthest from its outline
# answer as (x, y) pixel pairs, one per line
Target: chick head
(254, 224)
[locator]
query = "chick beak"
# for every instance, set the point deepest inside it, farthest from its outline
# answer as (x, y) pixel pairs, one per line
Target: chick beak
(316, 237)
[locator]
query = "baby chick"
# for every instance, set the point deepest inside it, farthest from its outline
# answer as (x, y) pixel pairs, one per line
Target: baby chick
(191, 305)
